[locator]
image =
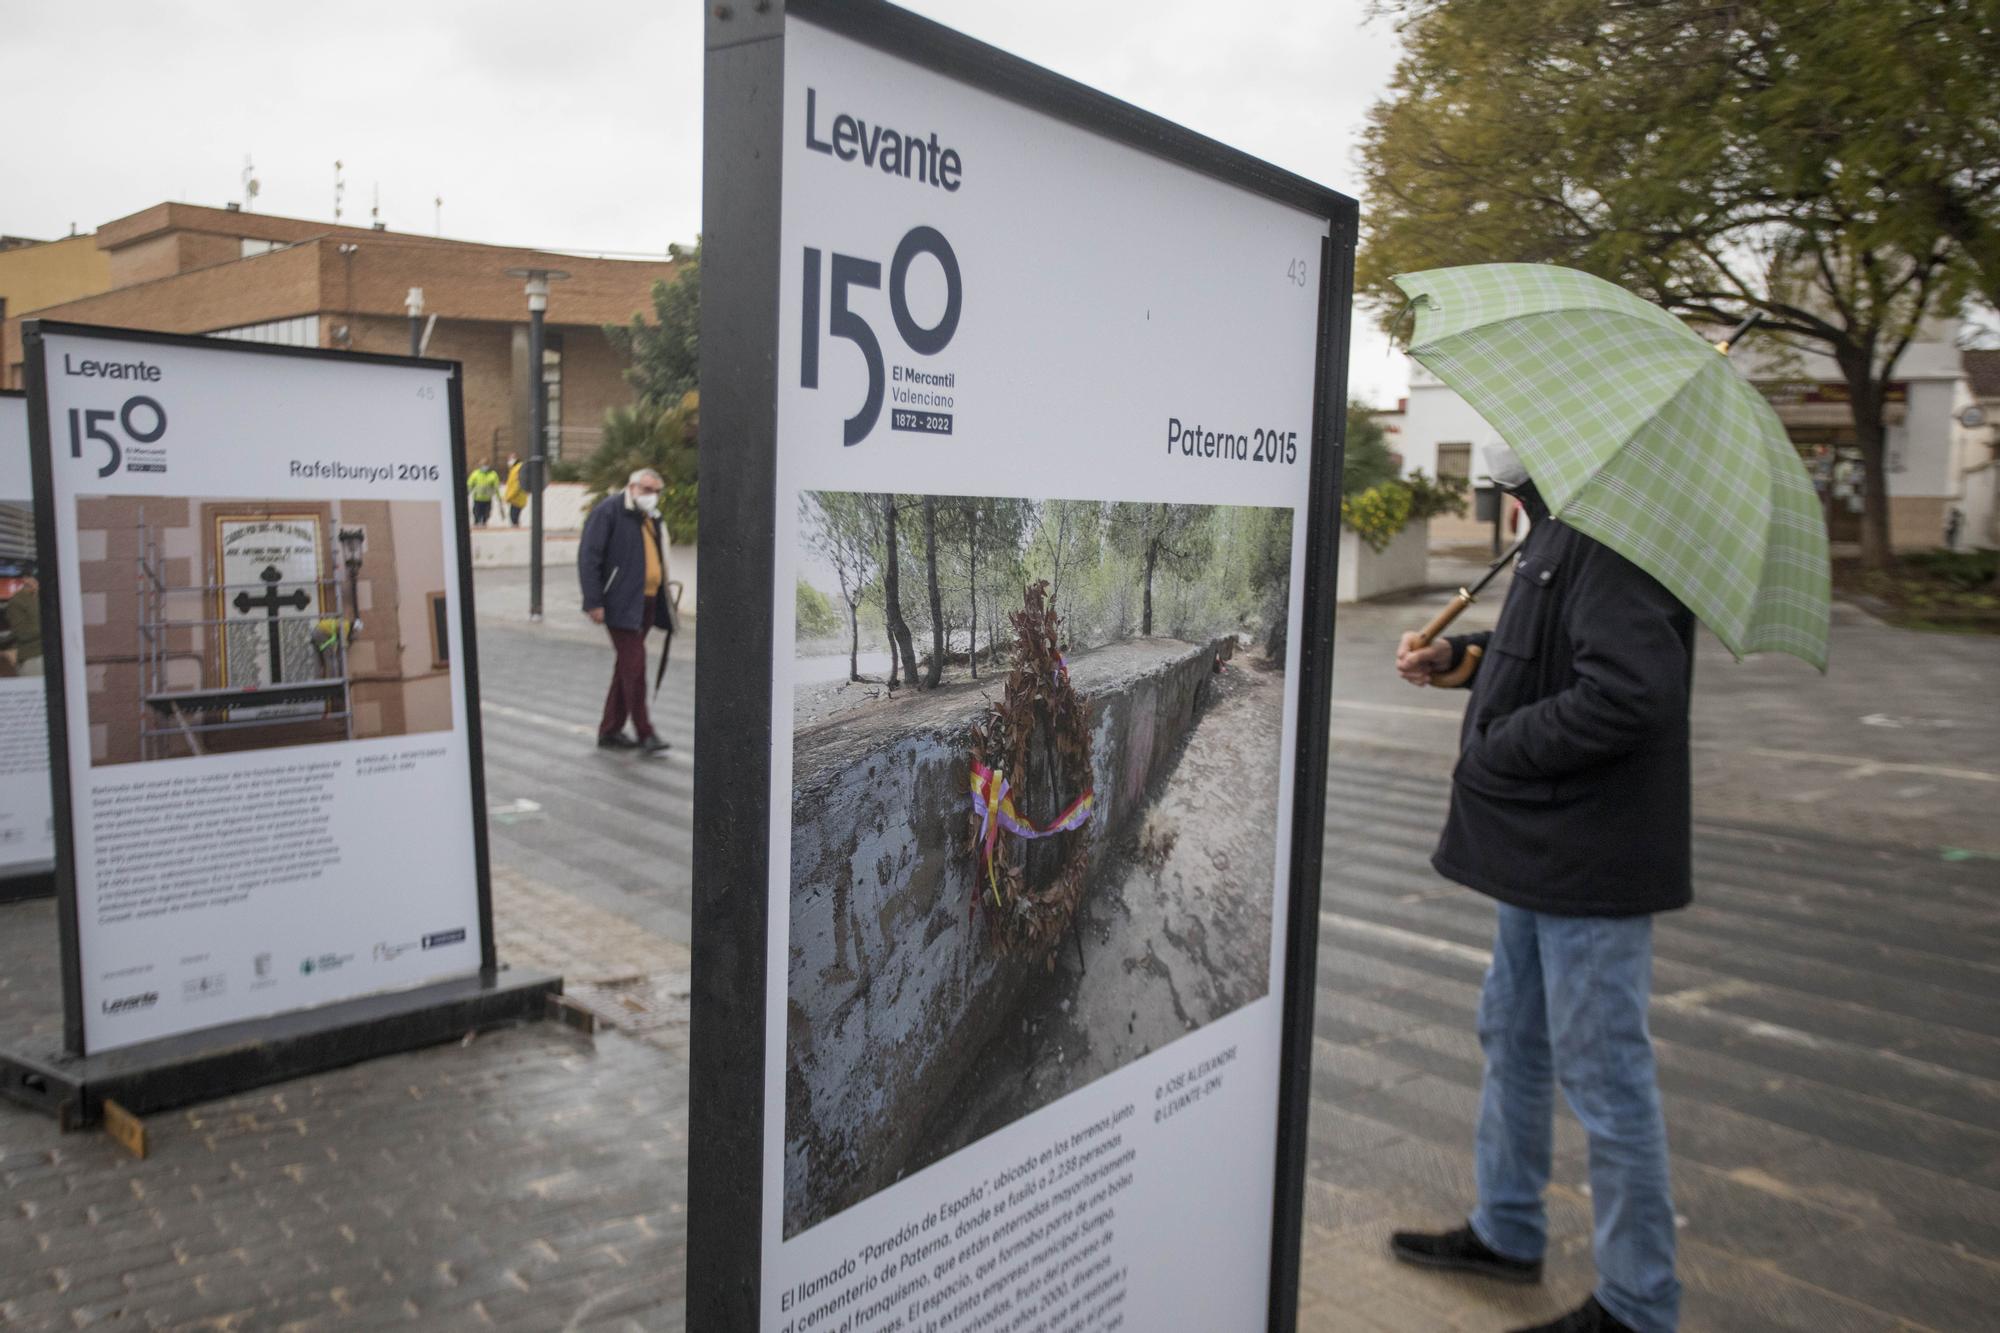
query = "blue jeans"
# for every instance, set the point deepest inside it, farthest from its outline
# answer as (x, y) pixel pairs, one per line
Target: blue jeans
(1565, 1000)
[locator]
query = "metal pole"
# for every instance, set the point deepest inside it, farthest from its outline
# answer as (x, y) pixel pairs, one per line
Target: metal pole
(538, 304)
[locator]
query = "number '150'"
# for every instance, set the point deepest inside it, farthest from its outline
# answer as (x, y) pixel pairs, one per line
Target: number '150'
(849, 272)
(142, 419)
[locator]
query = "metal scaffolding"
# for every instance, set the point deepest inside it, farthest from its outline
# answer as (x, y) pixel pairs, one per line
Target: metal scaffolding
(173, 619)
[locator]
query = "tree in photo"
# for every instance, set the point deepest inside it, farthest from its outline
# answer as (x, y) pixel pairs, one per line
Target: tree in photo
(1161, 537)
(902, 649)
(842, 527)
(1717, 159)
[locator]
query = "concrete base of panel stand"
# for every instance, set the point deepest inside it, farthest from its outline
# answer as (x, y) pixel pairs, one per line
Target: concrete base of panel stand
(20, 888)
(216, 1062)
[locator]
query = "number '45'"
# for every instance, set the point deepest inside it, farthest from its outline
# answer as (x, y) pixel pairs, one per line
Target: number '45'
(848, 272)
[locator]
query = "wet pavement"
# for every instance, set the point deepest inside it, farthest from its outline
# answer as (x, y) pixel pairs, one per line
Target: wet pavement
(1828, 1019)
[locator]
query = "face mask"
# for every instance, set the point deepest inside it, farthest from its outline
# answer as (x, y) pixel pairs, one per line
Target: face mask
(1505, 469)
(648, 503)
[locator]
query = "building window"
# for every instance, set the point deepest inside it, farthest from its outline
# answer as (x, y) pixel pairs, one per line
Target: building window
(253, 247)
(299, 331)
(552, 382)
(1455, 460)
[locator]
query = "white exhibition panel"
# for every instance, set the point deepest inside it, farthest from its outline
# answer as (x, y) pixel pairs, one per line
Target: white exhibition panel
(1103, 294)
(27, 844)
(382, 893)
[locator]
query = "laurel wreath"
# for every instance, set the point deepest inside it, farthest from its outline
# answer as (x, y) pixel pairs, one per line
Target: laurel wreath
(1029, 914)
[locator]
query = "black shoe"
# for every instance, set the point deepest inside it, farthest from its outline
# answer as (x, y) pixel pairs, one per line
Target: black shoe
(1462, 1251)
(1590, 1317)
(615, 740)
(653, 745)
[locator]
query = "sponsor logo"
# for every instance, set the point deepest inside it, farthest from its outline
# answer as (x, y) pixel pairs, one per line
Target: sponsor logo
(389, 953)
(444, 937)
(206, 987)
(324, 962)
(261, 965)
(131, 1004)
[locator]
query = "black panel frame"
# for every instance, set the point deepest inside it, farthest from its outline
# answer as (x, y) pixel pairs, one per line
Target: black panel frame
(21, 885)
(742, 186)
(298, 1023)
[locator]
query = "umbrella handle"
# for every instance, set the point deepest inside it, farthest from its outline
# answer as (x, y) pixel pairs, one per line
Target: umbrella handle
(1440, 622)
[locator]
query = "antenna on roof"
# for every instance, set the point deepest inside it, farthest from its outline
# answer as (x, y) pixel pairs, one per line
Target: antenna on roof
(251, 185)
(437, 219)
(339, 189)
(375, 210)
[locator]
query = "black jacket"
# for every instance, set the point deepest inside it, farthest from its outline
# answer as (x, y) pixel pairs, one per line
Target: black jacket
(611, 565)
(1571, 794)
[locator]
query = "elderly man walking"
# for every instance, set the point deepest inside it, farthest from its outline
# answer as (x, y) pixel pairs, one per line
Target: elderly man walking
(622, 566)
(1570, 805)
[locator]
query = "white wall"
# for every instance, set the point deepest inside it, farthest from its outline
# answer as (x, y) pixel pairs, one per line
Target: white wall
(1923, 447)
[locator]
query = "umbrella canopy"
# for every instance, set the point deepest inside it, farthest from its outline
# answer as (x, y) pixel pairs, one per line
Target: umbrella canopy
(1639, 434)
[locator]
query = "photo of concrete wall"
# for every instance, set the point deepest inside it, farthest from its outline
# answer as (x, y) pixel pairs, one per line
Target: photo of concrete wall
(918, 1021)
(218, 625)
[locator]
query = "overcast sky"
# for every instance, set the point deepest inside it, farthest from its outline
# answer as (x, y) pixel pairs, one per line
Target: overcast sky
(574, 126)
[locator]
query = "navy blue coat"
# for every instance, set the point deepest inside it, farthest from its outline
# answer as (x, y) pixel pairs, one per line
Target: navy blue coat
(611, 565)
(1571, 794)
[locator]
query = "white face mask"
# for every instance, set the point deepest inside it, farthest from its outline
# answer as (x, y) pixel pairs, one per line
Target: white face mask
(1505, 468)
(648, 503)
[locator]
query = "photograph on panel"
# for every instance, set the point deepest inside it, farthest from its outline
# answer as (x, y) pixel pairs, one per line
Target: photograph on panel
(215, 626)
(1035, 775)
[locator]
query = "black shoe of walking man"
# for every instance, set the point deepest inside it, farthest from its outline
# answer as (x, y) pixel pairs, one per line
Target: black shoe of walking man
(616, 740)
(1462, 1251)
(652, 747)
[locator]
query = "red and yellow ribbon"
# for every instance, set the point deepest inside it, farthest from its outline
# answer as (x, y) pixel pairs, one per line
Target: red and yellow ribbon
(993, 802)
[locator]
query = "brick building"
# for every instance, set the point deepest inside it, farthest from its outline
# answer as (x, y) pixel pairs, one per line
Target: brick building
(182, 268)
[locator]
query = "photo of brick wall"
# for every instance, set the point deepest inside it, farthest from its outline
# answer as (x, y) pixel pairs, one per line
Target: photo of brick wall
(218, 625)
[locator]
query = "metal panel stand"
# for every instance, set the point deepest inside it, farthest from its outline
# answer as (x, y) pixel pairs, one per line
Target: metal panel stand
(217, 1062)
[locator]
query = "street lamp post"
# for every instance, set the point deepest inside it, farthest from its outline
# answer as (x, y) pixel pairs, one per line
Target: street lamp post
(538, 305)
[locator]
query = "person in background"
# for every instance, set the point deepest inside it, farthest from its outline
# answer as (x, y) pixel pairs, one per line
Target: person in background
(1572, 806)
(621, 563)
(482, 484)
(516, 495)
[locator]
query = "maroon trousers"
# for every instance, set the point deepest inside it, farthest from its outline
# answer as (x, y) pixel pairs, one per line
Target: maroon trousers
(627, 697)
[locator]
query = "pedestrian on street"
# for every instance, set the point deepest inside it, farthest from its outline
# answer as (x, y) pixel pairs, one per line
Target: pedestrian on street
(516, 495)
(482, 484)
(1571, 806)
(622, 565)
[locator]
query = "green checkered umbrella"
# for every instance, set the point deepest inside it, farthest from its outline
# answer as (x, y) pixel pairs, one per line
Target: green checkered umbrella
(1638, 434)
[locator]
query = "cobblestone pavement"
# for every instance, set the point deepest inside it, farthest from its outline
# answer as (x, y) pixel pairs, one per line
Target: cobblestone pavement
(1828, 1018)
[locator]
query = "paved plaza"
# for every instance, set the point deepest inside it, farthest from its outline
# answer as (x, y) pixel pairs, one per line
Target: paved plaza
(1827, 1014)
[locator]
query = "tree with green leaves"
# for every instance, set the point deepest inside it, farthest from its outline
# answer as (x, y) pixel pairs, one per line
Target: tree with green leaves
(1717, 159)
(902, 649)
(663, 358)
(1367, 461)
(665, 439)
(1170, 537)
(843, 528)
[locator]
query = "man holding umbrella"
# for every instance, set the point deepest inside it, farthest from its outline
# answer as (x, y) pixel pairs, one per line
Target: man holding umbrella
(1661, 488)
(1570, 805)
